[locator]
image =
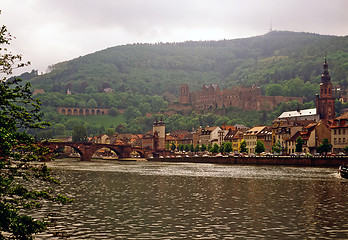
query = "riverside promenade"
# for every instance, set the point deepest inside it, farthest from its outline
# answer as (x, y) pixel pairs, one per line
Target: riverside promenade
(328, 161)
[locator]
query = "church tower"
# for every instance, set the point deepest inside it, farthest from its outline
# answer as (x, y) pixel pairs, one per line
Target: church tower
(325, 101)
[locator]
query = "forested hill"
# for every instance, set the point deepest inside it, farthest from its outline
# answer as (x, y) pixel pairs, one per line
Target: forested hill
(292, 60)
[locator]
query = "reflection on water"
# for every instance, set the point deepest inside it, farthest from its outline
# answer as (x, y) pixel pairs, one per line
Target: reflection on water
(147, 200)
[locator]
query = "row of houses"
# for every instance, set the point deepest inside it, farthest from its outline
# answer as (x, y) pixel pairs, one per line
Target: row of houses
(285, 130)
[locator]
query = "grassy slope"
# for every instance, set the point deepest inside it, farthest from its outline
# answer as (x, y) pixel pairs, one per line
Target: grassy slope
(100, 120)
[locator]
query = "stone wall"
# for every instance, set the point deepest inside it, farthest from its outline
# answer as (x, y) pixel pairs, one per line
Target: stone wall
(82, 111)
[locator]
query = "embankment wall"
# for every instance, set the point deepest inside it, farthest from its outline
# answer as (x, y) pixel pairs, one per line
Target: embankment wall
(281, 160)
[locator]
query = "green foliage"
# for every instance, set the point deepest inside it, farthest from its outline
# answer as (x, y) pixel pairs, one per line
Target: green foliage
(325, 147)
(209, 147)
(222, 147)
(113, 111)
(173, 147)
(215, 148)
(299, 144)
(21, 157)
(92, 103)
(79, 134)
(203, 147)
(277, 57)
(228, 147)
(260, 147)
(243, 147)
(345, 149)
(181, 147)
(197, 148)
(281, 63)
(277, 148)
(131, 113)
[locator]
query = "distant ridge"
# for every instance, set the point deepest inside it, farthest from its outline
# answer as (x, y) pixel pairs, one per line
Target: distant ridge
(276, 57)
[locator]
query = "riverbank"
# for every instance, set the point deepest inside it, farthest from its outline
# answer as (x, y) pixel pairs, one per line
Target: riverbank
(263, 160)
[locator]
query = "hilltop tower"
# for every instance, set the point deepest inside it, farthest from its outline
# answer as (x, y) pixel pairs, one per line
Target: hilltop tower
(159, 130)
(184, 94)
(325, 101)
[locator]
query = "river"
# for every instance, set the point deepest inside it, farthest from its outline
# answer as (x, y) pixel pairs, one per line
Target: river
(153, 200)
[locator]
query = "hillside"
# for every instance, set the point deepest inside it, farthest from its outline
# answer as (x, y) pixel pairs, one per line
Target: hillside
(277, 57)
(281, 63)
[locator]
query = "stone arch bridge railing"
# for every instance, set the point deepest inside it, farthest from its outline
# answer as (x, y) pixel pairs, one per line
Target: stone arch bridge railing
(82, 111)
(87, 149)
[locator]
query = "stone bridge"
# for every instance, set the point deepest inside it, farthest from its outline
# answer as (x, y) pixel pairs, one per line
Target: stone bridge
(87, 149)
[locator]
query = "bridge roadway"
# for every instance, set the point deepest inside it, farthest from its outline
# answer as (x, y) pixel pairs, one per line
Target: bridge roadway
(87, 149)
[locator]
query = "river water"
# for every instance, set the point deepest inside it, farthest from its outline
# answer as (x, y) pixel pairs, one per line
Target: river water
(152, 200)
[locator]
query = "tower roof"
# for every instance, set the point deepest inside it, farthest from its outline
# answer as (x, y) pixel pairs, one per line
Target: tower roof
(325, 76)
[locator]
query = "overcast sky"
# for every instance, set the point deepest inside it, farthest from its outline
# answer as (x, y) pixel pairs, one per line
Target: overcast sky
(51, 31)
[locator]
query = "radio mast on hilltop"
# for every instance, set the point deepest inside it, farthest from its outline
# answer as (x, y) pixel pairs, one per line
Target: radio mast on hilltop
(270, 25)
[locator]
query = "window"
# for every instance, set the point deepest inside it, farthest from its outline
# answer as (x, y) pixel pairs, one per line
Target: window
(344, 131)
(339, 140)
(339, 131)
(344, 140)
(335, 132)
(335, 140)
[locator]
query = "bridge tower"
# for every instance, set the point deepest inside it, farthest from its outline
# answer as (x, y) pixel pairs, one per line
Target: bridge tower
(160, 129)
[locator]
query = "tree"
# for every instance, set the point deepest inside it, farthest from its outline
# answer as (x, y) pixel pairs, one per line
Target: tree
(173, 147)
(19, 113)
(222, 147)
(197, 148)
(90, 90)
(325, 147)
(181, 147)
(113, 111)
(299, 144)
(110, 131)
(243, 147)
(215, 148)
(203, 147)
(59, 129)
(132, 113)
(260, 147)
(277, 148)
(228, 147)
(92, 103)
(209, 146)
(79, 134)
(345, 149)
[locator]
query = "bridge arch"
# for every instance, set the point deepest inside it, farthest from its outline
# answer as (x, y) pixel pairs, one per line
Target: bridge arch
(107, 146)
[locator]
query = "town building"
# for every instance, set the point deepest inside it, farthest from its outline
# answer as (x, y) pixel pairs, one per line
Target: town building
(300, 115)
(339, 133)
(265, 136)
(251, 137)
(209, 135)
(284, 130)
(313, 135)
